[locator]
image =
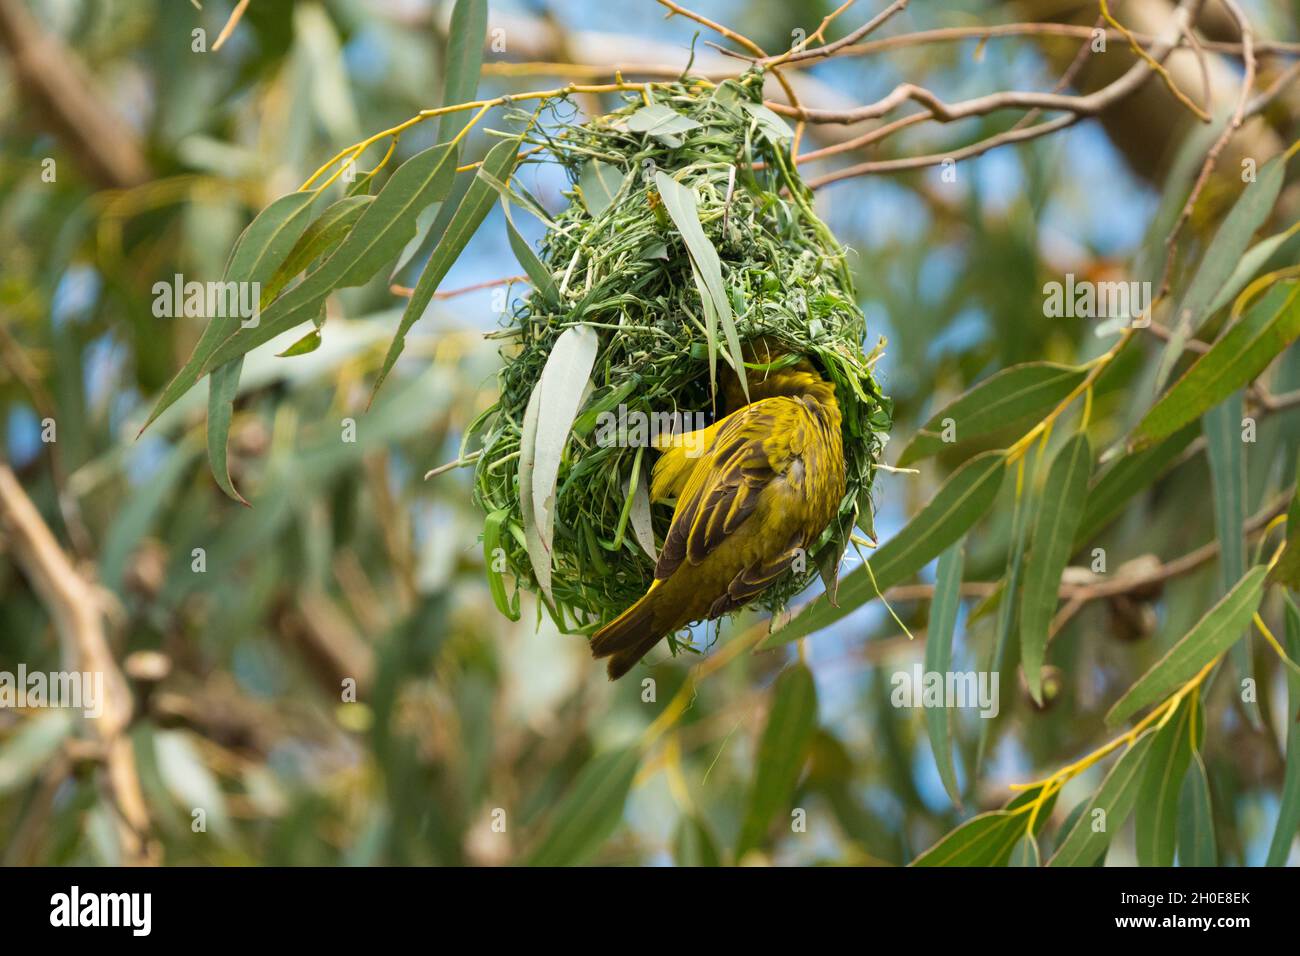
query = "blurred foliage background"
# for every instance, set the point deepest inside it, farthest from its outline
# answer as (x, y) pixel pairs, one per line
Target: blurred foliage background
(472, 737)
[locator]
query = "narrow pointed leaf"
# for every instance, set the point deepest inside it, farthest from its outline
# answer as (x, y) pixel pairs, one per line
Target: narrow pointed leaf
(1225, 451)
(259, 249)
(589, 812)
(1288, 813)
(1089, 837)
(548, 421)
(319, 239)
(538, 555)
(977, 842)
(223, 388)
(1247, 268)
(1211, 636)
(781, 754)
(680, 203)
(1235, 360)
(640, 517)
(493, 533)
(1016, 396)
(538, 274)
(465, 40)
(469, 215)
(990, 838)
(1059, 515)
(379, 234)
(1196, 845)
(1222, 256)
(1000, 659)
(1156, 815)
(255, 259)
(938, 660)
(964, 498)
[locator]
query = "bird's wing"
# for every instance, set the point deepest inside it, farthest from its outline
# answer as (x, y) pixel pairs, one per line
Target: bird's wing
(752, 446)
(681, 453)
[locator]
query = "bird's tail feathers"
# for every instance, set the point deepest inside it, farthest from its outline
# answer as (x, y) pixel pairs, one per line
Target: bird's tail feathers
(631, 635)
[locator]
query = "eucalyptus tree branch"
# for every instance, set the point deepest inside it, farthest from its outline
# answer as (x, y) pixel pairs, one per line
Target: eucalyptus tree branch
(1086, 105)
(934, 159)
(1262, 100)
(830, 49)
(63, 96)
(75, 609)
(1061, 30)
(1073, 589)
(1075, 108)
(1212, 157)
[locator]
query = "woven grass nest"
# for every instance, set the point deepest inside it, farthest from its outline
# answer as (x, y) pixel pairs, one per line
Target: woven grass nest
(616, 266)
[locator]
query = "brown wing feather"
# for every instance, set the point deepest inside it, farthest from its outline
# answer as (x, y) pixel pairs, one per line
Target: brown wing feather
(725, 485)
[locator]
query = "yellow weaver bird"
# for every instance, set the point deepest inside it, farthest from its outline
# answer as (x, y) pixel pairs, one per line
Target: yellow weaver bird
(754, 491)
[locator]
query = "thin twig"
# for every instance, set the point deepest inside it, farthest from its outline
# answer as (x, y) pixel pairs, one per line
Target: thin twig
(830, 49)
(1212, 157)
(407, 291)
(235, 16)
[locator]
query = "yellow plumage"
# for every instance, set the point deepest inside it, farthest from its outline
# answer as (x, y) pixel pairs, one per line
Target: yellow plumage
(754, 490)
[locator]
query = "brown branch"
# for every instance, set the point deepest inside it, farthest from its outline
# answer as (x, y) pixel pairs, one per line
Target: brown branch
(235, 16)
(63, 95)
(1072, 591)
(1285, 79)
(1076, 108)
(934, 159)
(1086, 105)
(74, 607)
(830, 49)
(1212, 157)
(407, 291)
(1047, 30)
(15, 359)
(1082, 595)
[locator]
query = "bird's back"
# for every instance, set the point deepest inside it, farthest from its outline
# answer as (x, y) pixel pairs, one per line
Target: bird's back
(754, 492)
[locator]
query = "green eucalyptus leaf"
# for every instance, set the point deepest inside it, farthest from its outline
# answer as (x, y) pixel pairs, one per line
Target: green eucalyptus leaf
(1196, 844)
(1156, 814)
(1059, 514)
(1088, 838)
(589, 812)
(465, 40)
(707, 269)
(1288, 814)
(963, 500)
(1211, 636)
(1222, 256)
(1234, 361)
(469, 215)
(782, 752)
(938, 660)
(1019, 396)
